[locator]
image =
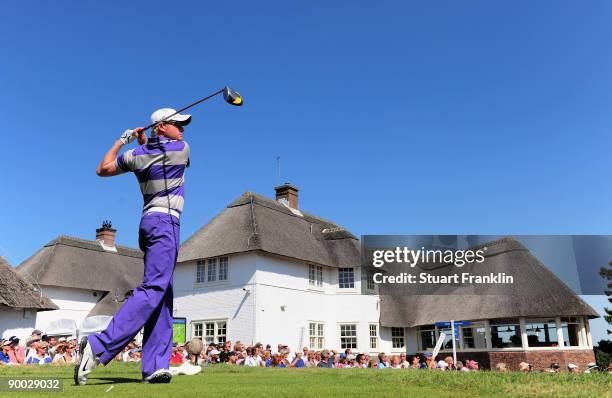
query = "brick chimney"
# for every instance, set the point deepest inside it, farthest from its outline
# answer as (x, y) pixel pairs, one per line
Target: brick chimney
(106, 234)
(289, 193)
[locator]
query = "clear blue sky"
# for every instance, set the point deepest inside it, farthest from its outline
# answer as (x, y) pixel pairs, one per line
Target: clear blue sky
(391, 117)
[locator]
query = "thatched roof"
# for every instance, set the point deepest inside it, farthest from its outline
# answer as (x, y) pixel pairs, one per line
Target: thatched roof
(84, 264)
(539, 294)
(15, 292)
(256, 223)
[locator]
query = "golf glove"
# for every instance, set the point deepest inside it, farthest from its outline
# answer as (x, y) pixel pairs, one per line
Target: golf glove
(127, 136)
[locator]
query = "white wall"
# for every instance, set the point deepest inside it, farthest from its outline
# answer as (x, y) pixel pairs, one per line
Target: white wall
(275, 282)
(73, 304)
(14, 322)
(219, 300)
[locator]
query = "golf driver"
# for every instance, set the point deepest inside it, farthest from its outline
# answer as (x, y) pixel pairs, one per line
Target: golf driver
(231, 97)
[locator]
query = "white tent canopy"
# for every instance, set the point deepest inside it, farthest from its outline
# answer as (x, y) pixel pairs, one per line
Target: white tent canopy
(94, 324)
(61, 327)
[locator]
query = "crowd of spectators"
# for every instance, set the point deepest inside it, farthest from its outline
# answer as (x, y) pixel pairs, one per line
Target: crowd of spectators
(40, 349)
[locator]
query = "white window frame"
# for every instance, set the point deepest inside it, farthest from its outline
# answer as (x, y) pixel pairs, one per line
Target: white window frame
(373, 338)
(315, 276)
(397, 337)
(356, 336)
(340, 279)
(200, 271)
(216, 336)
(318, 336)
(214, 268)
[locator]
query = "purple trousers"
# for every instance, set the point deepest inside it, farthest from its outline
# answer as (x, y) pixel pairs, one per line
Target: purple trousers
(150, 306)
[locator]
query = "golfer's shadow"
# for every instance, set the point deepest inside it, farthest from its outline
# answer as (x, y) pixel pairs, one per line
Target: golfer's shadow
(114, 380)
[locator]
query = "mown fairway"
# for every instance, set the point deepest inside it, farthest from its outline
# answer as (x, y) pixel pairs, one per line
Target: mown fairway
(238, 381)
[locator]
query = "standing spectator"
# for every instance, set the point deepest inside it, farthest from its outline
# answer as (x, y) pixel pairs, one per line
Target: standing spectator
(404, 361)
(251, 360)
(298, 362)
(396, 363)
(16, 352)
(40, 355)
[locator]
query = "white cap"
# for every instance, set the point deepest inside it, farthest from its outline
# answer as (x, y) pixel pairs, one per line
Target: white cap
(572, 366)
(442, 364)
(61, 339)
(163, 114)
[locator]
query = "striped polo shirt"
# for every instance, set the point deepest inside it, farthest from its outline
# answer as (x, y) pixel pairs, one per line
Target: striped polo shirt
(151, 167)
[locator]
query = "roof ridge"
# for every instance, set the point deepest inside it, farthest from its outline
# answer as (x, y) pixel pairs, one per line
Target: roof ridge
(65, 239)
(273, 205)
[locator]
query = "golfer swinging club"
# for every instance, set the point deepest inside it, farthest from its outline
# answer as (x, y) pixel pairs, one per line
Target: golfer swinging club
(159, 164)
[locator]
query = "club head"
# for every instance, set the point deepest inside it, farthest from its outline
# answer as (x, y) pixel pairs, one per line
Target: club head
(232, 97)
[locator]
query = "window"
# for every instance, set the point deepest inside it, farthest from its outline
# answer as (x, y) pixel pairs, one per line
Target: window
(541, 332)
(200, 271)
(373, 336)
(474, 336)
(197, 330)
(212, 269)
(397, 337)
(315, 275)
(348, 336)
(505, 333)
(447, 344)
(222, 268)
(214, 331)
(428, 337)
(370, 281)
(571, 331)
(317, 335)
(346, 278)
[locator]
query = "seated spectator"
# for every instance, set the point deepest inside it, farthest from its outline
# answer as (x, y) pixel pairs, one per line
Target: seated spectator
(415, 363)
(442, 365)
(372, 364)
(461, 367)
(310, 360)
(298, 362)
(524, 367)
(251, 360)
(39, 355)
(404, 361)
(572, 368)
(267, 358)
(383, 363)
(472, 365)
(501, 367)
(325, 362)
(4, 352)
(554, 368)
(450, 363)
(177, 357)
(361, 361)
(226, 352)
(395, 362)
(278, 361)
(60, 353)
(29, 343)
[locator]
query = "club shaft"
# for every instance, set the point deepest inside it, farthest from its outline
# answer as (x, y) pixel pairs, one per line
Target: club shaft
(187, 107)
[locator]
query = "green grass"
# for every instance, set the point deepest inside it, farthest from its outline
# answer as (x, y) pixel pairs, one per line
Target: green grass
(228, 381)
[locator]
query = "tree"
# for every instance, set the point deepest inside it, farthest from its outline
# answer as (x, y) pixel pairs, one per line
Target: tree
(606, 273)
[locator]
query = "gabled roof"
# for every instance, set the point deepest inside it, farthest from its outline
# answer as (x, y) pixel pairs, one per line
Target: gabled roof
(84, 264)
(256, 223)
(15, 292)
(539, 294)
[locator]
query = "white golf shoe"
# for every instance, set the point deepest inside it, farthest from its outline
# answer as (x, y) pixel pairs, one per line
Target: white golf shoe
(159, 376)
(87, 363)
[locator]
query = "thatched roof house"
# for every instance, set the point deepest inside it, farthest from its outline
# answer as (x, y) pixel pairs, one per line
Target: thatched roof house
(256, 223)
(16, 293)
(76, 263)
(537, 293)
